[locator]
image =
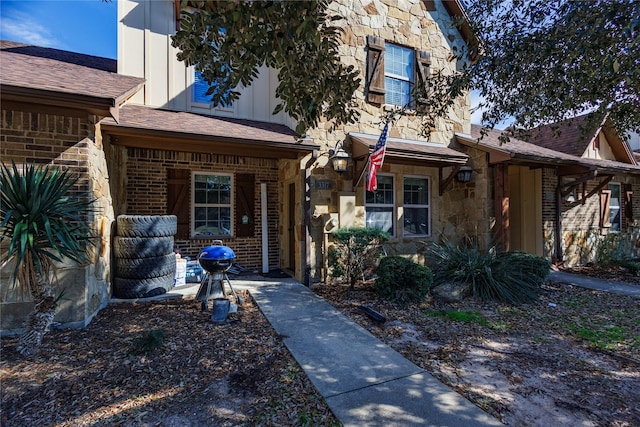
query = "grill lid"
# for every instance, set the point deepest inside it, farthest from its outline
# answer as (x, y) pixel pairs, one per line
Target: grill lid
(216, 253)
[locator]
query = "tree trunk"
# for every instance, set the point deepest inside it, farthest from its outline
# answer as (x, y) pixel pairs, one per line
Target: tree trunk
(39, 319)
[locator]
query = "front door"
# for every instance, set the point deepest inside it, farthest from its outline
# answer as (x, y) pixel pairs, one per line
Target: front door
(525, 209)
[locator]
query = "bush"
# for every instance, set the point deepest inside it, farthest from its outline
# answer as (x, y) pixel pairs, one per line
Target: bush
(356, 251)
(402, 280)
(632, 266)
(148, 341)
(614, 250)
(611, 250)
(512, 277)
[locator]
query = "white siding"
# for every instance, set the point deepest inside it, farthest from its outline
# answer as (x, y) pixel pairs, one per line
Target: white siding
(144, 50)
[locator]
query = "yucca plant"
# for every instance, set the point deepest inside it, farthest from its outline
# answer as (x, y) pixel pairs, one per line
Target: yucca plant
(513, 277)
(42, 223)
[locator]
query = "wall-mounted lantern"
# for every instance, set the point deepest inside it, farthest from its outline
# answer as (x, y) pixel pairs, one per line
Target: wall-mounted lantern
(339, 159)
(464, 174)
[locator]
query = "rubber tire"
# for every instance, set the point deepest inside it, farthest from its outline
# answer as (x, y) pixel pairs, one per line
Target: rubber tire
(142, 288)
(142, 247)
(146, 225)
(144, 268)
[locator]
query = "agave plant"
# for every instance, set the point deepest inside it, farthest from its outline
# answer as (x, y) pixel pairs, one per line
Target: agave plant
(42, 223)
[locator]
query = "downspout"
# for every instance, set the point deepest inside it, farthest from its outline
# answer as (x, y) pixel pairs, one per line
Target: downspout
(558, 227)
(307, 217)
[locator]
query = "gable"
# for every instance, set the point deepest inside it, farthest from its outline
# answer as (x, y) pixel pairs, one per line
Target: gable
(577, 138)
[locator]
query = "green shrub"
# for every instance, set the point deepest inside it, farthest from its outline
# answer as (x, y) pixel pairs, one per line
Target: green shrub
(611, 250)
(402, 280)
(148, 341)
(632, 266)
(356, 251)
(512, 277)
(614, 250)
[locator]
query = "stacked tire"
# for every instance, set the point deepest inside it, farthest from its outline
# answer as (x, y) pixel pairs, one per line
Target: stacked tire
(145, 263)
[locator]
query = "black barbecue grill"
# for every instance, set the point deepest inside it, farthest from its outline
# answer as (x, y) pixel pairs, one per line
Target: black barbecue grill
(215, 260)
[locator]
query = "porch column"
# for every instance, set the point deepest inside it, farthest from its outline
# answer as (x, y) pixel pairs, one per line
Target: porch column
(501, 205)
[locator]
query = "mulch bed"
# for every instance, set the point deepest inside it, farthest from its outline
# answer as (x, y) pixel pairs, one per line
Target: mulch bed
(204, 374)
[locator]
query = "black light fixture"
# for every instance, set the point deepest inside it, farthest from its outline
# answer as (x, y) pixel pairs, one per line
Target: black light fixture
(464, 174)
(339, 159)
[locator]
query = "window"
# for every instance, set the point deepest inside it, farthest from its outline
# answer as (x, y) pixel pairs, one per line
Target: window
(398, 75)
(416, 207)
(212, 202)
(393, 71)
(199, 90)
(379, 205)
(615, 213)
(199, 95)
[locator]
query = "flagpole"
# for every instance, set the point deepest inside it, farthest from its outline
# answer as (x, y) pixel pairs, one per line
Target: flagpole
(364, 169)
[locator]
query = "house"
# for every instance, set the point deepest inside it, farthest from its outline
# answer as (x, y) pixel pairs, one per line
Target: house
(53, 116)
(146, 141)
(559, 194)
(284, 197)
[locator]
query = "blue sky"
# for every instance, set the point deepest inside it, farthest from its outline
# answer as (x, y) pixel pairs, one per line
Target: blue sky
(84, 26)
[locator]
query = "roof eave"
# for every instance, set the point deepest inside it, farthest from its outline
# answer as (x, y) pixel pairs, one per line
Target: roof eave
(102, 106)
(131, 136)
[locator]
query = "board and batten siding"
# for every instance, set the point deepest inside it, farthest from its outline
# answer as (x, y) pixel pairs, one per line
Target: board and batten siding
(147, 27)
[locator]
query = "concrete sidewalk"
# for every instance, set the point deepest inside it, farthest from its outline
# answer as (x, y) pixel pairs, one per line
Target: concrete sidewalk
(364, 381)
(596, 284)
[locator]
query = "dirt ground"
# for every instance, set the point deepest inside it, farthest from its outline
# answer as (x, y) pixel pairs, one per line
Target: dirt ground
(572, 358)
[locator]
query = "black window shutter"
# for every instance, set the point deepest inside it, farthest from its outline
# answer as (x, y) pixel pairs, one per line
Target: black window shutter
(245, 205)
(179, 199)
(423, 65)
(375, 70)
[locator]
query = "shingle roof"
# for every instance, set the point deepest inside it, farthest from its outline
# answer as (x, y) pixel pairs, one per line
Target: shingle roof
(184, 123)
(570, 136)
(518, 150)
(30, 68)
(518, 147)
(412, 150)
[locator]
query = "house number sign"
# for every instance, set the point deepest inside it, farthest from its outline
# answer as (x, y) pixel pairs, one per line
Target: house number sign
(323, 185)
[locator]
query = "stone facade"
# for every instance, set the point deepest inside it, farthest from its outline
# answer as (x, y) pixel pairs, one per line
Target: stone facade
(72, 141)
(461, 209)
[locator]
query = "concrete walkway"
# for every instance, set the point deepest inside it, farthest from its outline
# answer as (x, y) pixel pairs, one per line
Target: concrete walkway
(364, 382)
(596, 284)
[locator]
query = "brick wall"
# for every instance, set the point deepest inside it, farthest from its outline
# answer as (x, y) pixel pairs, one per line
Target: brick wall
(61, 137)
(581, 232)
(31, 137)
(146, 194)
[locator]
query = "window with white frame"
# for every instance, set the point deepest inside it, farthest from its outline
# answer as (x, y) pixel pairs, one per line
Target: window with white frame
(416, 215)
(615, 213)
(212, 204)
(380, 204)
(398, 74)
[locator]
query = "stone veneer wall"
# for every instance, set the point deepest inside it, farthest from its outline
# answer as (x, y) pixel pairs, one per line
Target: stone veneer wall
(581, 232)
(421, 25)
(69, 141)
(146, 194)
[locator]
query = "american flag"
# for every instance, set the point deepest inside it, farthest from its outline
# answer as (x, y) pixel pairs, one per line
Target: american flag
(376, 158)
